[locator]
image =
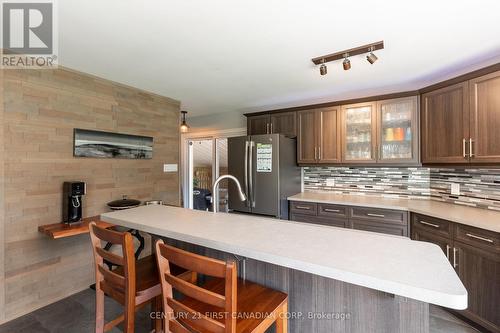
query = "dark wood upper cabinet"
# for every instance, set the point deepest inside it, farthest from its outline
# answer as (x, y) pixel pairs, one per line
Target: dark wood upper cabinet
(452, 122)
(319, 136)
(445, 125)
(398, 131)
(359, 133)
(284, 123)
(306, 143)
(328, 135)
(258, 125)
(276, 123)
(484, 145)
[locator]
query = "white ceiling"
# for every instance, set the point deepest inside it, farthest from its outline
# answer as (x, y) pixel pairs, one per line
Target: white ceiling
(218, 56)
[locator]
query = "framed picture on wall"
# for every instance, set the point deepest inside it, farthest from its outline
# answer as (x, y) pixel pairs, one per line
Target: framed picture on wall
(97, 144)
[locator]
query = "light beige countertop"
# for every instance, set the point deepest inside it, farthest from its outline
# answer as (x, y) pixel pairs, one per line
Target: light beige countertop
(395, 265)
(476, 217)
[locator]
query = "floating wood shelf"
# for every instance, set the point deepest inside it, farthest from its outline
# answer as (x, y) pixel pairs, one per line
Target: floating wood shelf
(61, 230)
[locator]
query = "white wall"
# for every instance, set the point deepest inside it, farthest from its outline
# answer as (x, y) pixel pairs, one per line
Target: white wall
(218, 121)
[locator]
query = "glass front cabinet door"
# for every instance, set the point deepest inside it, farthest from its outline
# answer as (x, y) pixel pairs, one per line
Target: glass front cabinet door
(359, 133)
(383, 132)
(397, 130)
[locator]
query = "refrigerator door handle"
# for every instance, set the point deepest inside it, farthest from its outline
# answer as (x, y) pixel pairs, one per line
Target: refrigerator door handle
(250, 162)
(247, 144)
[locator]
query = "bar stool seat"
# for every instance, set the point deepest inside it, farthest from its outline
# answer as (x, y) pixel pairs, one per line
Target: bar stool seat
(146, 277)
(252, 298)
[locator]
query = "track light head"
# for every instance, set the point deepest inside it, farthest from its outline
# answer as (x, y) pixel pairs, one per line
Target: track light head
(323, 69)
(346, 64)
(371, 58)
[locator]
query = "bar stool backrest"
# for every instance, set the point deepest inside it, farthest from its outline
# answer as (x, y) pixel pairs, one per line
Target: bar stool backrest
(179, 317)
(119, 287)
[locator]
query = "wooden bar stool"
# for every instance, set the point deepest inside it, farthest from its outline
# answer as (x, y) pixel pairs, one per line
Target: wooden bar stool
(224, 304)
(133, 284)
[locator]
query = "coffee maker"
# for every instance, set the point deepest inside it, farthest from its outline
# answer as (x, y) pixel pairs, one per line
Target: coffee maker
(72, 201)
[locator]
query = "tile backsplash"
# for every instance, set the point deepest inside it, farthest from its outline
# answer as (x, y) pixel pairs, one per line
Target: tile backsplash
(478, 187)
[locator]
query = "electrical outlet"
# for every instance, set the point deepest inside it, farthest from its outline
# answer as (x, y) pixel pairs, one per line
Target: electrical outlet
(455, 189)
(330, 182)
(169, 167)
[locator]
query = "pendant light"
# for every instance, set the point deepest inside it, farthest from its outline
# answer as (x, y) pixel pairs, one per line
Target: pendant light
(184, 127)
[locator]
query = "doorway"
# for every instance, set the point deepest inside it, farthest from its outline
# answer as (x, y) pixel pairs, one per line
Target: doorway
(201, 158)
(204, 158)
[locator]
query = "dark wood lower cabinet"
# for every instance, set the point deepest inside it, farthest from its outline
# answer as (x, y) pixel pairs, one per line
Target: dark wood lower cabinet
(479, 271)
(330, 221)
(383, 221)
(444, 243)
(473, 252)
(377, 226)
(475, 255)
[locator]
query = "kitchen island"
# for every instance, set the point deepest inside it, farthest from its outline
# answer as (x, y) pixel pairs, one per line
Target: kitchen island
(338, 279)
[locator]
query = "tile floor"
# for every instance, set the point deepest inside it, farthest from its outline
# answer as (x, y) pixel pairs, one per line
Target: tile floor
(75, 314)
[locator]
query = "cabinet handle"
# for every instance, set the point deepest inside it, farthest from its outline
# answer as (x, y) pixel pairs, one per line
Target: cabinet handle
(315, 153)
(331, 210)
(271, 129)
(471, 149)
(464, 148)
(455, 264)
(375, 215)
(319, 152)
(267, 128)
(448, 251)
(480, 238)
(303, 207)
(429, 224)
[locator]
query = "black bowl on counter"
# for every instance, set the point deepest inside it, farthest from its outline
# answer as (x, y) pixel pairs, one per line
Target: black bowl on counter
(124, 203)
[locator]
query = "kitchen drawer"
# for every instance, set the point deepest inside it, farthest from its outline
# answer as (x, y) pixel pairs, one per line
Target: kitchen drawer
(307, 208)
(432, 224)
(377, 214)
(380, 227)
(485, 239)
(332, 210)
(329, 221)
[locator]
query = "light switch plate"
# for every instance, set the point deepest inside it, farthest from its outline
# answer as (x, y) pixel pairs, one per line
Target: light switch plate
(169, 167)
(330, 182)
(455, 189)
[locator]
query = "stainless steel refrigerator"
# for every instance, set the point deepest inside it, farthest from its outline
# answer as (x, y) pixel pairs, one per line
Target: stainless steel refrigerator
(266, 166)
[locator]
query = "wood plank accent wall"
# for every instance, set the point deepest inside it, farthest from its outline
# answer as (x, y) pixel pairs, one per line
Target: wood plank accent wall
(2, 212)
(42, 107)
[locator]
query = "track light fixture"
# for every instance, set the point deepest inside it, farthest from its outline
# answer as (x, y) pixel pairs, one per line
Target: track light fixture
(346, 63)
(322, 69)
(371, 57)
